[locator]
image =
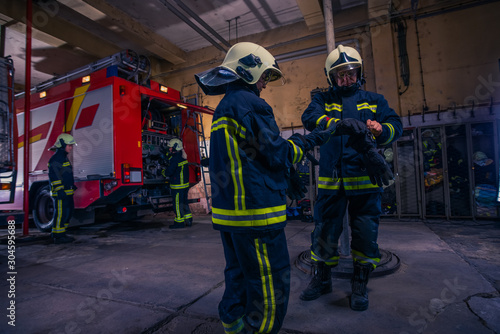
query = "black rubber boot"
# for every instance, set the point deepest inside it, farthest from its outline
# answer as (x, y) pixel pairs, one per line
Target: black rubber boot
(176, 225)
(189, 222)
(320, 284)
(359, 297)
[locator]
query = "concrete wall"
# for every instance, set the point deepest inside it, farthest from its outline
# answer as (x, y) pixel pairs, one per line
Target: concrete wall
(458, 47)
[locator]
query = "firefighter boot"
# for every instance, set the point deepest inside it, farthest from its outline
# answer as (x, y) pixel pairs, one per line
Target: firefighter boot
(320, 284)
(359, 297)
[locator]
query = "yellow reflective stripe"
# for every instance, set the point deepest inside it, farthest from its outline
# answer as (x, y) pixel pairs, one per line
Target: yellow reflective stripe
(182, 183)
(350, 183)
(391, 135)
(66, 164)
(56, 182)
(297, 152)
(236, 170)
(333, 261)
(178, 218)
(231, 125)
(320, 119)
(329, 183)
(57, 228)
(266, 277)
(362, 258)
(332, 120)
(333, 106)
(366, 105)
(179, 186)
(251, 217)
(235, 327)
(357, 183)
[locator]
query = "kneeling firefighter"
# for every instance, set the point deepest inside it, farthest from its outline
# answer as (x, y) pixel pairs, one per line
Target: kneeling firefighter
(62, 187)
(178, 171)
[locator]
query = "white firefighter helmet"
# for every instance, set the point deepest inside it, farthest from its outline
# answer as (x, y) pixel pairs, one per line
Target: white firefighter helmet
(341, 59)
(66, 139)
(176, 144)
(246, 61)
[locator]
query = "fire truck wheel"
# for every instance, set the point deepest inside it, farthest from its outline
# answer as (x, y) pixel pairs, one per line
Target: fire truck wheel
(43, 211)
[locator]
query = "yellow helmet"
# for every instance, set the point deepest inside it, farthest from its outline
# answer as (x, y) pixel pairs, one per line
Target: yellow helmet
(176, 144)
(246, 61)
(64, 139)
(341, 59)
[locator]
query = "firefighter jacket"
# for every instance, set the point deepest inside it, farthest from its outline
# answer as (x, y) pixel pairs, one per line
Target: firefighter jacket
(340, 165)
(61, 174)
(248, 163)
(178, 171)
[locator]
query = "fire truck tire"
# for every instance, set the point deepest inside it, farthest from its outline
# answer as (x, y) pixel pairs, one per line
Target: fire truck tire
(43, 210)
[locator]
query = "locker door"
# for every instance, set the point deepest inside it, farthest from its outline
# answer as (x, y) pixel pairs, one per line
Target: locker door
(431, 152)
(407, 182)
(457, 171)
(484, 169)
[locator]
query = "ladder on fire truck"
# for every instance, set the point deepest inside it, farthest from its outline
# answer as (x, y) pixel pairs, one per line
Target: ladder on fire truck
(203, 151)
(8, 167)
(129, 64)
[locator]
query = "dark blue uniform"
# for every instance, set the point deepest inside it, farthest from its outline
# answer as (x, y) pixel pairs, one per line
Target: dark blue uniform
(178, 171)
(343, 178)
(248, 162)
(62, 188)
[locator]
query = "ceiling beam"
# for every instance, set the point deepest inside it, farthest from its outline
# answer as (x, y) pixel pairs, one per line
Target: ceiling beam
(149, 39)
(313, 15)
(49, 20)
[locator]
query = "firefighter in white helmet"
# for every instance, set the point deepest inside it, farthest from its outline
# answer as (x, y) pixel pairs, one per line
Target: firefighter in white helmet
(178, 172)
(351, 173)
(249, 162)
(62, 185)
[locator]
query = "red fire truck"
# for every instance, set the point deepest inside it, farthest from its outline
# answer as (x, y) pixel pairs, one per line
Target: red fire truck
(121, 122)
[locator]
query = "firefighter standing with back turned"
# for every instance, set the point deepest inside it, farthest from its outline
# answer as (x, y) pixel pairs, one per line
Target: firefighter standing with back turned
(62, 185)
(351, 174)
(248, 165)
(178, 171)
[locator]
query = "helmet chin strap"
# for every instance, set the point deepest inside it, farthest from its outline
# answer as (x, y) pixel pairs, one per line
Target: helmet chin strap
(348, 90)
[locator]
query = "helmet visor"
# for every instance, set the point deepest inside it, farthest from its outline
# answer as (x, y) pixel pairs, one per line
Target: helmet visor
(215, 80)
(345, 70)
(273, 78)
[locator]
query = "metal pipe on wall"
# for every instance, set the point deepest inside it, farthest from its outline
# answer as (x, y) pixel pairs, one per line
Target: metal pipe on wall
(26, 182)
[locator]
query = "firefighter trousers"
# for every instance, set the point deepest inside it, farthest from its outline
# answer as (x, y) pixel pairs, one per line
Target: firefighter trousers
(181, 206)
(257, 278)
(364, 216)
(64, 208)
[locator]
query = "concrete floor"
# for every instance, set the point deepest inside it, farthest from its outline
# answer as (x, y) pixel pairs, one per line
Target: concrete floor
(141, 277)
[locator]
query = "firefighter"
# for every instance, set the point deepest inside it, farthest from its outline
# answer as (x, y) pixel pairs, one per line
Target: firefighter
(351, 174)
(178, 171)
(63, 187)
(248, 167)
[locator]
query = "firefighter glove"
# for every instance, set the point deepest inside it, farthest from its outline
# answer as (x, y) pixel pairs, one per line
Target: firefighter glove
(351, 127)
(378, 169)
(362, 142)
(296, 189)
